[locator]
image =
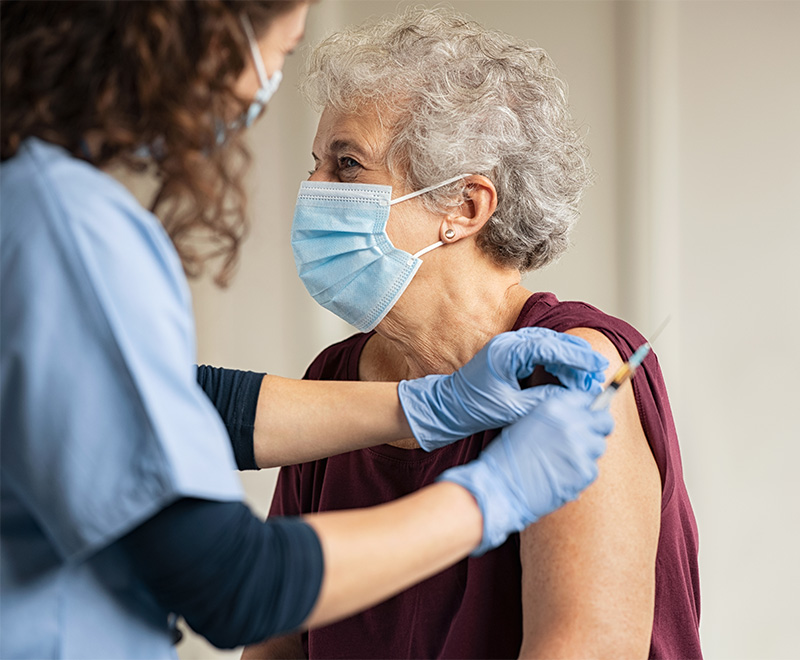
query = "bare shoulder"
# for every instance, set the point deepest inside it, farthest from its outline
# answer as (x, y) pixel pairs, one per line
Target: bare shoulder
(628, 440)
(589, 568)
(602, 345)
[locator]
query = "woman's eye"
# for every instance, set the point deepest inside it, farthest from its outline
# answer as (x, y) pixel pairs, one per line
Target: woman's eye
(345, 163)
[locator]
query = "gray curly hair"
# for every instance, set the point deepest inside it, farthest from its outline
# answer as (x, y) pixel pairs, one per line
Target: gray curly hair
(465, 99)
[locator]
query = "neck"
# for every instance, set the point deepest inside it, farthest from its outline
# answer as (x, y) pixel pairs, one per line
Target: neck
(446, 317)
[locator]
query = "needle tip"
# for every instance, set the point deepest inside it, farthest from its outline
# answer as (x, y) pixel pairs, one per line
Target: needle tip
(660, 329)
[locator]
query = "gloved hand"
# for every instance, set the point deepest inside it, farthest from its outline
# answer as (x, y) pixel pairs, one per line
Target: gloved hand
(535, 465)
(485, 393)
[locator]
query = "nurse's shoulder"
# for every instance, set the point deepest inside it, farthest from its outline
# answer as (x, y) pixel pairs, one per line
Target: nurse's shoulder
(56, 202)
(105, 424)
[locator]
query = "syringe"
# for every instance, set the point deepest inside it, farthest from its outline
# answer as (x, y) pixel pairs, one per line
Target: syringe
(625, 372)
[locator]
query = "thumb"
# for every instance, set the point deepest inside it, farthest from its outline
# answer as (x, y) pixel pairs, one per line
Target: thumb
(602, 422)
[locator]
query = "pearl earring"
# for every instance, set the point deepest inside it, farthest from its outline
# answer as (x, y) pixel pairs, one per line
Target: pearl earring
(450, 233)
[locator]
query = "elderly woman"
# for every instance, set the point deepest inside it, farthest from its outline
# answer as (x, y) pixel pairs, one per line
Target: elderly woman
(472, 125)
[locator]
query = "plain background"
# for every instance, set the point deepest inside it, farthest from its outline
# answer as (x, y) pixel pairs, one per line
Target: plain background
(692, 113)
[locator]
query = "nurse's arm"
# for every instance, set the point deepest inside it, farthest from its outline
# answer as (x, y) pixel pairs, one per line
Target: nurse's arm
(237, 580)
(275, 421)
(588, 569)
(304, 420)
(375, 553)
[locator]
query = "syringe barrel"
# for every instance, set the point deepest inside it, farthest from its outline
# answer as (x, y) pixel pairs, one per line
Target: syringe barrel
(639, 355)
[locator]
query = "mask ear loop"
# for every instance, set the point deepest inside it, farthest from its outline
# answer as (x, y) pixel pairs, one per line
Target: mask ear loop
(428, 249)
(417, 193)
(267, 85)
(397, 200)
(258, 58)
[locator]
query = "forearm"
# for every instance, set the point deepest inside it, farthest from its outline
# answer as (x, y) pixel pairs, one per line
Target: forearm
(233, 578)
(373, 554)
(304, 420)
(299, 421)
(275, 421)
(391, 547)
(238, 581)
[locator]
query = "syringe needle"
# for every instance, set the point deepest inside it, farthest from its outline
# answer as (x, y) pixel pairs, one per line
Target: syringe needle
(660, 329)
(626, 371)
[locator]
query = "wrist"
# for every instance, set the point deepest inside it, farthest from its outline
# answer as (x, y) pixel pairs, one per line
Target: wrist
(469, 516)
(426, 409)
(471, 479)
(500, 514)
(373, 553)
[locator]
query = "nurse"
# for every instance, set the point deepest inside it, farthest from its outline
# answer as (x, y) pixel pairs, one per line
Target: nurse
(120, 508)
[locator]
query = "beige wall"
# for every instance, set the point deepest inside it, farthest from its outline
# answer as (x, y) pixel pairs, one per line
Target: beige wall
(693, 110)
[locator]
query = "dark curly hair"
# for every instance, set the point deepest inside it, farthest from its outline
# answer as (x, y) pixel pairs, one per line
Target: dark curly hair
(157, 74)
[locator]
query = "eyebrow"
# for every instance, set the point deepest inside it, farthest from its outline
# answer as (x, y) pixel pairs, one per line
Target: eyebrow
(337, 146)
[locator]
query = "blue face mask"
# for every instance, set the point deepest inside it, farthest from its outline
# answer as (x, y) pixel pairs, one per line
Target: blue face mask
(343, 253)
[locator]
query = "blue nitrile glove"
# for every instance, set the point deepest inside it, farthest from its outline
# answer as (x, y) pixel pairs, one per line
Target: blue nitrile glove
(485, 393)
(535, 465)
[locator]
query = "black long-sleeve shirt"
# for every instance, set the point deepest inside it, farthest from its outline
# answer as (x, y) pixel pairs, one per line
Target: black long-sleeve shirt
(234, 579)
(234, 394)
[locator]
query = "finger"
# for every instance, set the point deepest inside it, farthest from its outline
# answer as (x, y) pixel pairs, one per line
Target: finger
(547, 333)
(558, 351)
(595, 388)
(600, 448)
(518, 352)
(591, 472)
(585, 463)
(596, 446)
(602, 422)
(586, 381)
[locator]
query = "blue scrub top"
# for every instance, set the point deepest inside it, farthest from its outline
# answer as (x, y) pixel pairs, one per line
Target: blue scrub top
(103, 423)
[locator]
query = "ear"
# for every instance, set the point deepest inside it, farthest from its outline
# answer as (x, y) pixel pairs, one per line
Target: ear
(479, 204)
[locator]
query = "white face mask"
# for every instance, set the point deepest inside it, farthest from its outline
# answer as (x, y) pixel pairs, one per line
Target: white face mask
(268, 86)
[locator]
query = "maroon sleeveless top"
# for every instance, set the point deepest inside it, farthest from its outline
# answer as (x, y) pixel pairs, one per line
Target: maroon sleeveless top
(474, 609)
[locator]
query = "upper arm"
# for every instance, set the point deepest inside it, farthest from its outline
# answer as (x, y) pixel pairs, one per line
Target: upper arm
(233, 578)
(588, 569)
